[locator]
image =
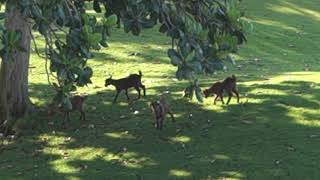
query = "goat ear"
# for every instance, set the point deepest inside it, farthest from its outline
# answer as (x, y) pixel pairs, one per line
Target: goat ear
(110, 76)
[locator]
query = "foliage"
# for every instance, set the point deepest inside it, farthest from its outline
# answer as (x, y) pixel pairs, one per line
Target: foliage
(203, 34)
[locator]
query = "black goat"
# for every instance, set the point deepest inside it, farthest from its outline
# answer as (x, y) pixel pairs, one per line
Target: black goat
(133, 80)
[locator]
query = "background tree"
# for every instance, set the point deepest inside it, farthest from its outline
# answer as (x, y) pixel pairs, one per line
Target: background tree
(203, 33)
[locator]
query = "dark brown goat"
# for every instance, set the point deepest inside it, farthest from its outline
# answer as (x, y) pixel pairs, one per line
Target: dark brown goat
(160, 109)
(77, 102)
(133, 80)
(229, 85)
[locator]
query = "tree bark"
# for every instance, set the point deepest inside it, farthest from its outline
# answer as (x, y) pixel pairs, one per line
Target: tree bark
(14, 97)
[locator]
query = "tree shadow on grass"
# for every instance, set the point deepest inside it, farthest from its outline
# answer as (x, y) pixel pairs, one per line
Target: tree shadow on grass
(254, 140)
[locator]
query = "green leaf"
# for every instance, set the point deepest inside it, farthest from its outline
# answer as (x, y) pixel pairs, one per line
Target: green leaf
(180, 74)
(95, 38)
(61, 13)
(203, 35)
(175, 57)
(196, 66)
(190, 56)
(111, 20)
(96, 6)
(43, 28)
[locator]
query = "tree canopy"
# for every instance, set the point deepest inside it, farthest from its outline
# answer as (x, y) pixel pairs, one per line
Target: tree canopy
(203, 33)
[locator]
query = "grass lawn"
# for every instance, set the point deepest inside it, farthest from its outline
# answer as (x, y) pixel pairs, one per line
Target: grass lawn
(273, 134)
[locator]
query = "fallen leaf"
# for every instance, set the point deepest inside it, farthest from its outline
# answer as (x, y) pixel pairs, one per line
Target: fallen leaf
(291, 45)
(313, 136)
(83, 167)
(278, 162)
(93, 108)
(290, 148)
(135, 54)
(91, 126)
(178, 131)
(297, 92)
(247, 122)
(191, 156)
(166, 92)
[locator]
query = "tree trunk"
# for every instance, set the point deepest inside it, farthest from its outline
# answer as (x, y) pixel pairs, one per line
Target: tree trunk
(14, 98)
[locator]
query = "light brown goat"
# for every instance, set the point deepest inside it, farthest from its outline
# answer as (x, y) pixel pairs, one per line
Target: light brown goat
(160, 109)
(77, 102)
(229, 85)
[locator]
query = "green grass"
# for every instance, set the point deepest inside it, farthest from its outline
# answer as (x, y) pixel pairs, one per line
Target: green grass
(273, 134)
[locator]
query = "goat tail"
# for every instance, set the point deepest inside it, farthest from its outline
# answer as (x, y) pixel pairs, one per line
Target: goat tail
(140, 73)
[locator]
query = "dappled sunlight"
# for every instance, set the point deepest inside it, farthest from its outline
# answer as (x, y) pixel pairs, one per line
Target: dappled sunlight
(179, 173)
(221, 157)
(55, 139)
(305, 117)
(180, 139)
(289, 76)
(66, 156)
(130, 159)
(232, 175)
(284, 9)
(120, 135)
(61, 166)
(291, 8)
(274, 23)
(262, 91)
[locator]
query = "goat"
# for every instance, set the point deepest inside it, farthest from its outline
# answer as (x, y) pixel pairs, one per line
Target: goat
(133, 80)
(229, 85)
(77, 102)
(160, 109)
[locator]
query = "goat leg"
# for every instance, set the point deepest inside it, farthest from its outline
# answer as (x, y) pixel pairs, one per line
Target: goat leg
(230, 95)
(172, 117)
(237, 94)
(215, 99)
(116, 97)
(82, 115)
(144, 89)
(66, 118)
(221, 97)
(139, 93)
(158, 123)
(128, 98)
(118, 21)
(161, 122)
